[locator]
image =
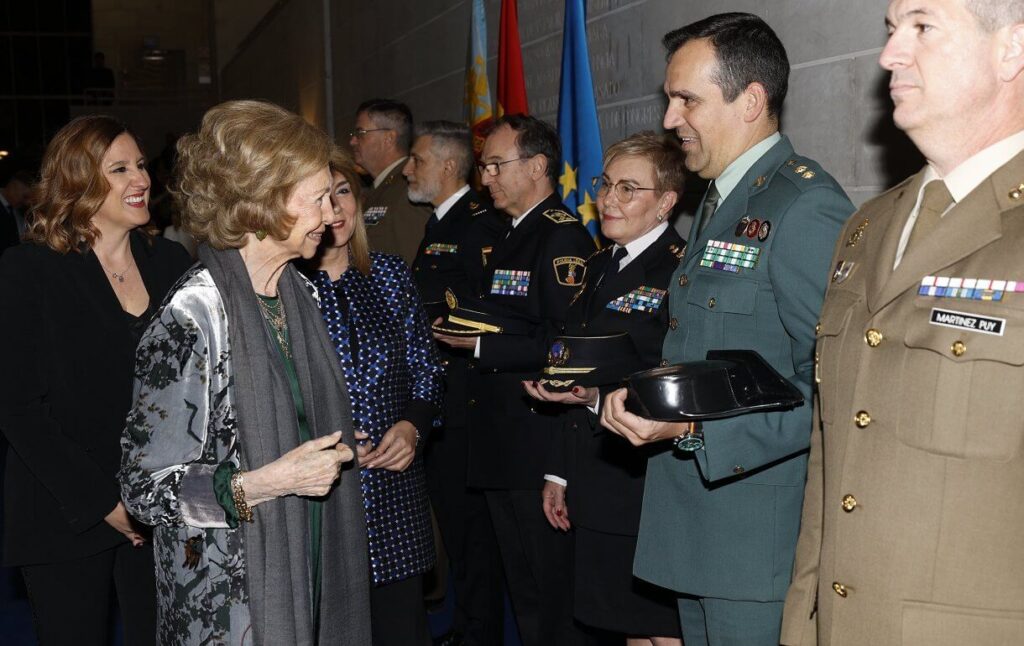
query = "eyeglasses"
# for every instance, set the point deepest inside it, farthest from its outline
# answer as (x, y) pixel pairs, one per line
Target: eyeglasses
(359, 133)
(494, 168)
(623, 192)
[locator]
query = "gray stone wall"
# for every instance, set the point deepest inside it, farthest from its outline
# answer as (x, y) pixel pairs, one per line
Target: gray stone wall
(837, 110)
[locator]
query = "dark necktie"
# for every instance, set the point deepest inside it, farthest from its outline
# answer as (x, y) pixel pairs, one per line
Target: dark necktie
(432, 221)
(613, 265)
(934, 202)
(707, 209)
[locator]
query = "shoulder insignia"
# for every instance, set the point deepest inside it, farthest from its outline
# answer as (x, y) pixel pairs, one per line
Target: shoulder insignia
(759, 182)
(1018, 192)
(558, 216)
(791, 162)
(569, 270)
(858, 233)
(476, 213)
(474, 205)
(677, 250)
(484, 253)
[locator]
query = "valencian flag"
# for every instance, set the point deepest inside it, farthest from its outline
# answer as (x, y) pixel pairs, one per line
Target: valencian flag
(577, 121)
(511, 82)
(479, 114)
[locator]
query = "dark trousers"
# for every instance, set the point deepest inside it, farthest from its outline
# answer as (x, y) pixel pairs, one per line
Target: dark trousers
(538, 568)
(397, 614)
(468, 536)
(71, 600)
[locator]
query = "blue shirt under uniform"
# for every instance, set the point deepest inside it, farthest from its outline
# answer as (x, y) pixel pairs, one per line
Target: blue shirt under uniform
(393, 373)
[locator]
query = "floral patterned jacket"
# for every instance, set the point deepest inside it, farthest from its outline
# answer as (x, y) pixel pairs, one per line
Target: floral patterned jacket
(183, 381)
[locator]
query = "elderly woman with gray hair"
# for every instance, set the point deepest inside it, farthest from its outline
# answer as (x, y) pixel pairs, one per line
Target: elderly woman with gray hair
(242, 423)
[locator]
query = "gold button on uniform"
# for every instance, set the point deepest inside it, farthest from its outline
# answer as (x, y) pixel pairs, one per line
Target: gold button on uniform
(862, 419)
(873, 338)
(958, 348)
(840, 589)
(738, 469)
(712, 302)
(673, 323)
(684, 280)
(472, 402)
(849, 503)
(817, 328)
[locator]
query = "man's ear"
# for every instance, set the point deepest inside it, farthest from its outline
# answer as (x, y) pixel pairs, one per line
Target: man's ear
(448, 168)
(755, 101)
(538, 167)
(1011, 50)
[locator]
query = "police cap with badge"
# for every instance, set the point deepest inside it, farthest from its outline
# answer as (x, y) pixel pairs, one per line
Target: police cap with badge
(589, 361)
(475, 316)
(726, 384)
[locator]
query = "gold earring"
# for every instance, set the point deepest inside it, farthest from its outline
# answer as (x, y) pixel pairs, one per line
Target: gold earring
(260, 234)
(661, 218)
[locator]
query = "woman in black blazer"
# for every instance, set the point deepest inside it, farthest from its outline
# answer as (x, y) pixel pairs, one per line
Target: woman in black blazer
(597, 474)
(76, 297)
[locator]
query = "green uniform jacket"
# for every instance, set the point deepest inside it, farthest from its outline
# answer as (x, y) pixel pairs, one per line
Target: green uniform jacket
(394, 224)
(722, 522)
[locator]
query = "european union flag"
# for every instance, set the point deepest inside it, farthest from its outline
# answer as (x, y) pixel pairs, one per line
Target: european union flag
(577, 121)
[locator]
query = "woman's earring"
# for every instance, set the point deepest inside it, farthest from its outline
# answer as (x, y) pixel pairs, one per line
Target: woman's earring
(661, 218)
(260, 234)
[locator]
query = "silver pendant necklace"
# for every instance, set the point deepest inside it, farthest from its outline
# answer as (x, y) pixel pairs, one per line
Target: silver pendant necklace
(119, 276)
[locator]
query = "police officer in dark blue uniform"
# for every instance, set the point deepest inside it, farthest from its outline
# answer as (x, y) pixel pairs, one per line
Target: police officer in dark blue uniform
(461, 232)
(532, 272)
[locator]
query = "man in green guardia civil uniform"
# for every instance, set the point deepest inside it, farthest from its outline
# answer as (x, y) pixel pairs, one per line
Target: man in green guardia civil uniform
(720, 522)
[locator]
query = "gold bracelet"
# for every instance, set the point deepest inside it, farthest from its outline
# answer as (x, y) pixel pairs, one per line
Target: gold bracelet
(238, 496)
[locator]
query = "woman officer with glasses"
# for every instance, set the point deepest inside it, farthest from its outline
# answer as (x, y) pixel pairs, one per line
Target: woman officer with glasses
(625, 291)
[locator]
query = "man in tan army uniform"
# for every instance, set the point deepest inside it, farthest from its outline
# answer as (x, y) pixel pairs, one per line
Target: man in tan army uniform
(380, 143)
(913, 520)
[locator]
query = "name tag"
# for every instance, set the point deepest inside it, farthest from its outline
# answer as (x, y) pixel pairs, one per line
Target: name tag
(968, 321)
(438, 248)
(729, 256)
(641, 299)
(510, 282)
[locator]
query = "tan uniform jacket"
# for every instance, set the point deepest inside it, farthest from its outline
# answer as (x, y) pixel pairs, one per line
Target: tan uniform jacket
(394, 224)
(913, 520)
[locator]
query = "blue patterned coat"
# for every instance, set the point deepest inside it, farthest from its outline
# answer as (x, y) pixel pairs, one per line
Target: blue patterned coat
(393, 372)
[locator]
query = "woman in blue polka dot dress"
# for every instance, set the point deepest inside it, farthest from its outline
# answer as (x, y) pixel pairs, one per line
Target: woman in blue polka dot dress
(394, 377)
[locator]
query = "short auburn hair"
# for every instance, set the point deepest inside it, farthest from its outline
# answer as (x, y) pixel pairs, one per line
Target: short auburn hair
(71, 187)
(236, 173)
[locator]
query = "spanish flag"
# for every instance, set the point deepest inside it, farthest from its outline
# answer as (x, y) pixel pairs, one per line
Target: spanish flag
(511, 82)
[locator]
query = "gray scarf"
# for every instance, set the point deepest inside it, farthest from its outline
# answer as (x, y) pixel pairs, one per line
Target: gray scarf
(277, 543)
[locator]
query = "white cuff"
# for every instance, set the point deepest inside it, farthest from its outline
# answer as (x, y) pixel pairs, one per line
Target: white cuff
(556, 480)
(596, 408)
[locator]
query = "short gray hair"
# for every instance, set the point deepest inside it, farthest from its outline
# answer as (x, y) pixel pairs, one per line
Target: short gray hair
(996, 14)
(450, 140)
